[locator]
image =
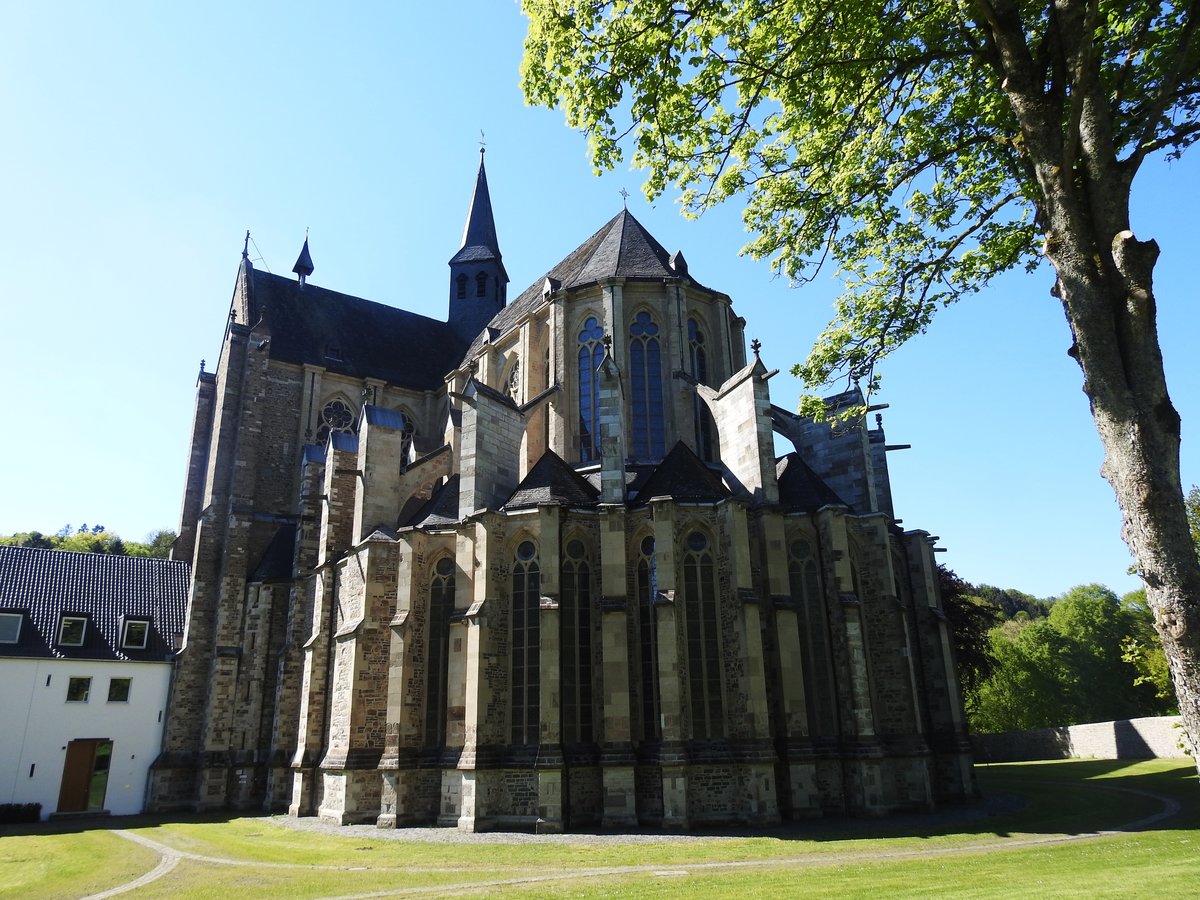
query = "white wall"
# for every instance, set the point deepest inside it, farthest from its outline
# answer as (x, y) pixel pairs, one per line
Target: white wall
(37, 722)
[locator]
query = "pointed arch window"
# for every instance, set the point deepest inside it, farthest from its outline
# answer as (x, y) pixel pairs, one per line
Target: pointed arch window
(591, 354)
(524, 677)
(646, 577)
(481, 284)
(576, 644)
(648, 437)
(804, 583)
(441, 608)
(460, 286)
(703, 630)
(706, 442)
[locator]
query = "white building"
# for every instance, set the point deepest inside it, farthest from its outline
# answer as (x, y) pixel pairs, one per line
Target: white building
(87, 645)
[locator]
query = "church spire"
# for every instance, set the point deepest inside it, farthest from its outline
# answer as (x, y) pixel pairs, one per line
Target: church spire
(478, 282)
(304, 263)
(479, 234)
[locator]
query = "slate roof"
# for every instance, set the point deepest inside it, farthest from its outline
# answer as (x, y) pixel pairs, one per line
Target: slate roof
(551, 480)
(440, 510)
(800, 488)
(350, 335)
(682, 475)
(43, 585)
(621, 248)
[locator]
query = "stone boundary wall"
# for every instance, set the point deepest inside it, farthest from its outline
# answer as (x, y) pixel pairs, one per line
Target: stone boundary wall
(1146, 738)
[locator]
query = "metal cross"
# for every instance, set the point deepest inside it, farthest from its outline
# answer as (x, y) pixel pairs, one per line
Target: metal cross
(624, 197)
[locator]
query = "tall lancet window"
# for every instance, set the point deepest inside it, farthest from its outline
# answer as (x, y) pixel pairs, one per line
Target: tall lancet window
(804, 582)
(706, 444)
(526, 603)
(703, 629)
(576, 616)
(645, 379)
(441, 608)
(647, 587)
(591, 353)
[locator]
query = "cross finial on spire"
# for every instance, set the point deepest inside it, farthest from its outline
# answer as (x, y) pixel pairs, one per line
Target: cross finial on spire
(624, 197)
(756, 346)
(246, 246)
(482, 143)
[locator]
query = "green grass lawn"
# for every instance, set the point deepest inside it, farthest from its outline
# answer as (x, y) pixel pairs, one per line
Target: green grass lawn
(1042, 847)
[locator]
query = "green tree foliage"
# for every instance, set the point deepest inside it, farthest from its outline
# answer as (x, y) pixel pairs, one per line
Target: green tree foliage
(971, 619)
(922, 148)
(1144, 651)
(1068, 668)
(93, 540)
(1192, 503)
(1013, 602)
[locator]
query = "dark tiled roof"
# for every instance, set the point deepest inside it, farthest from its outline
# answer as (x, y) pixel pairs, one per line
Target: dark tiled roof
(479, 243)
(351, 336)
(441, 509)
(682, 475)
(45, 584)
(551, 480)
(276, 562)
(622, 248)
(800, 488)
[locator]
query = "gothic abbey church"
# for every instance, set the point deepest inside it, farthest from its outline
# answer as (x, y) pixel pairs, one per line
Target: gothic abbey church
(538, 566)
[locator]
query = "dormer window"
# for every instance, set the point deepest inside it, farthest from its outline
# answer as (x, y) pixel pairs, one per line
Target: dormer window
(134, 634)
(71, 631)
(334, 353)
(10, 628)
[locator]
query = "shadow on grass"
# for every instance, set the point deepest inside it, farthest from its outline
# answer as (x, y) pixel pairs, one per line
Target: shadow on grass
(1068, 797)
(81, 824)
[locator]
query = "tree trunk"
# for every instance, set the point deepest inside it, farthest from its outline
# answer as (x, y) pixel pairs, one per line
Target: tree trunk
(1111, 310)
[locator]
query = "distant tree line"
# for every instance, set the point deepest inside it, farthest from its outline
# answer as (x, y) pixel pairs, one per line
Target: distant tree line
(93, 539)
(1025, 662)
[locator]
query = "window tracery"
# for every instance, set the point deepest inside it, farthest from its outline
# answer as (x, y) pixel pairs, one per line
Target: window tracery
(648, 437)
(591, 354)
(336, 415)
(441, 608)
(702, 627)
(576, 644)
(524, 675)
(647, 588)
(706, 444)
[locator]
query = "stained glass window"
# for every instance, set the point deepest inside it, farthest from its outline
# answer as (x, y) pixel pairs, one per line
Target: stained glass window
(441, 608)
(706, 444)
(526, 603)
(646, 389)
(702, 628)
(647, 587)
(591, 353)
(804, 582)
(336, 415)
(576, 644)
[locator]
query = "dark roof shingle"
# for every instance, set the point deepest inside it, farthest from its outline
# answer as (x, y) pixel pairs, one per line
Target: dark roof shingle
(43, 585)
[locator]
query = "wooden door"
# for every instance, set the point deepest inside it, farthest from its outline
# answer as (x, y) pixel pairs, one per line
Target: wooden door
(85, 775)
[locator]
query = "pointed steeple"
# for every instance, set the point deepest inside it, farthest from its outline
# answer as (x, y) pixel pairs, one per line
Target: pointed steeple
(479, 243)
(478, 281)
(304, 263)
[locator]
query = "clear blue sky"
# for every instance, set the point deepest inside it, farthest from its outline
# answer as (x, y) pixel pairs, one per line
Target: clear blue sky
(143, 139)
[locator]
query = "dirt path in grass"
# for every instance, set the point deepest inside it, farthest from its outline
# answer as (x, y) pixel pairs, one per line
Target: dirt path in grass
(169, 857)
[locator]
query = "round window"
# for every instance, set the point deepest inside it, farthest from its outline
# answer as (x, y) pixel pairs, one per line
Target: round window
(696, 541)
(576, 550)
(526, 551)
(647, 546)
(445, 566)
(801, 549)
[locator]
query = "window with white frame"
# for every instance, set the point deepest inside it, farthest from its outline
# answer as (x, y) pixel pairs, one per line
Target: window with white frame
(71, 631)
(78, 689)
(10, 628)
(134, 634)
(118, 690)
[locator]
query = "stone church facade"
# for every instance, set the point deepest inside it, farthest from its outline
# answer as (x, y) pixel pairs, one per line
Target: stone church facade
(538, 566)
